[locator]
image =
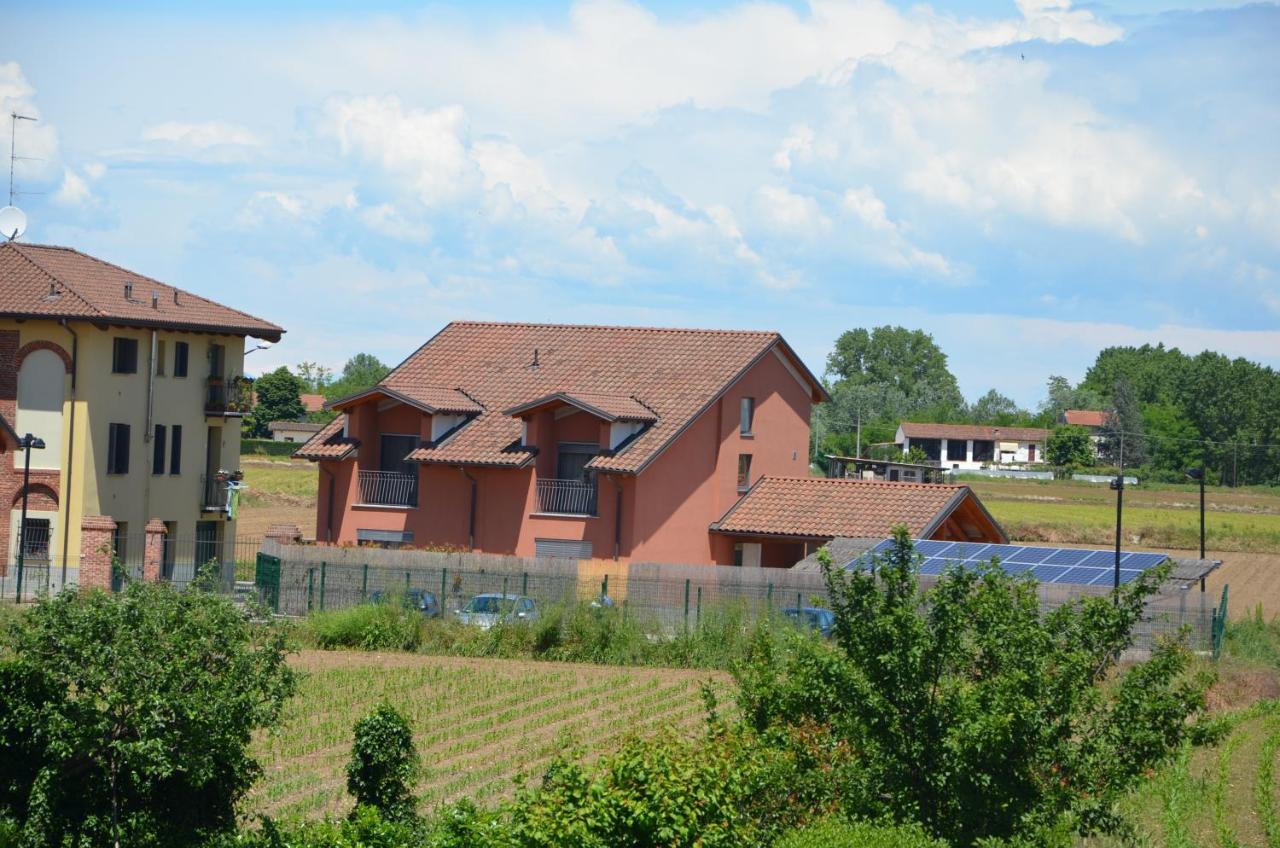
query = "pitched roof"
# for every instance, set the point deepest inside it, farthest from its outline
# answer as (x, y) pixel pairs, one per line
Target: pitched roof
(40, 281)
(824, 508)
(1085, 417)
(430, 399)
(914, 430)
(312, 402)
(609, 407)
(673, 374)
(329, 443)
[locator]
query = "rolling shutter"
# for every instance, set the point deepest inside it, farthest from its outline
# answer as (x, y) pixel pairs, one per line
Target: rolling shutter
(562, 548)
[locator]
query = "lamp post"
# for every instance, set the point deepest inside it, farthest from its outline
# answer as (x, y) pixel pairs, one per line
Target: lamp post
(1198, 474)
(28, 443)
(257, 348)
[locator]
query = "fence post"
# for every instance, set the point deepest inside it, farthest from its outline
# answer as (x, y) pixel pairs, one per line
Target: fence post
(697, 618)
(311, 586)
(604, 587)
(799, 603)
(686, 603)
(444, 582)
(406, 582)
(524, 582)
(364, 584)
(504, 587)
(323, 564)
(768, 597)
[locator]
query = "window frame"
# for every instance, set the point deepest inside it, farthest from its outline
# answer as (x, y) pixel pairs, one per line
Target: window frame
(744, 473)
(181, 356)
(161, 353)
(118, 436)
(124, 351)
(175, 450)
(159, 448)
(746, 416)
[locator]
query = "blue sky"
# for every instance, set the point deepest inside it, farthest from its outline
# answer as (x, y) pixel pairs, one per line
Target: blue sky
(1028, 182)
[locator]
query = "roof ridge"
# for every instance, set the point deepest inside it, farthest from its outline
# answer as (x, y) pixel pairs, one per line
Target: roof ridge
(140, 276)
(640, 328)
(30, 260)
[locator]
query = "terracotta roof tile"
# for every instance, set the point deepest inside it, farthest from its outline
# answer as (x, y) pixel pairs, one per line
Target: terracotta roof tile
(295, 426)
(973, 431)
(1085, 417)
(59, 282)
(677, 373)
(428, 398)
(823, 508)
(608, 407)
(329, 443)
(312, 402)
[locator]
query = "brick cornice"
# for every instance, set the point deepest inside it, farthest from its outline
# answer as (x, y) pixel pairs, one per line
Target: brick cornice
(43, 344)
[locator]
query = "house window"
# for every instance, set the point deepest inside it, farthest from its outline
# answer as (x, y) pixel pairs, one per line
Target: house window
(175, 450)
(744, 472)
(169, 552)
(124, 356)
(957, 448)
(158, 449)
(746, 415)
(120, 541)
(984, 450)
(161, 350)
(217, 359)
(118, 449)
(384, 538)
(738, 548)
(35, 541)
(180, 353)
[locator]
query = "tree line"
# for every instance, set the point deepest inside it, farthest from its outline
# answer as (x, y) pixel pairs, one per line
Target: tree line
(279, 392)
(1166, 411)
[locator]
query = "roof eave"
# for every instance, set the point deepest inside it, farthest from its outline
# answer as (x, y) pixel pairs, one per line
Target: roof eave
(267, 335)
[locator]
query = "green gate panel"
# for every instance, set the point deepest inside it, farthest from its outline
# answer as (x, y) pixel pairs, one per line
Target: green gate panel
(267, 580)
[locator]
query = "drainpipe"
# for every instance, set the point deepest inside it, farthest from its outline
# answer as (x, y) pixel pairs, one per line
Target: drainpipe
(471, 523)
(71, 444)
(146, 432)
(617, 517)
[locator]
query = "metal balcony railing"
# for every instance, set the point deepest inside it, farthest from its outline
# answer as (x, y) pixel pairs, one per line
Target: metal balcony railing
(215, 493)
(229, 396)
(388, 488)
(566, 497)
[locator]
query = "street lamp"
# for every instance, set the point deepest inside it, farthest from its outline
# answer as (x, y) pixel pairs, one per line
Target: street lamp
(259, 347)
(28, 443)
(1198, 474)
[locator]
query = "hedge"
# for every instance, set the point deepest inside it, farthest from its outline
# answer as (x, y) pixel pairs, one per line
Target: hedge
(267, 447)
(836, 833)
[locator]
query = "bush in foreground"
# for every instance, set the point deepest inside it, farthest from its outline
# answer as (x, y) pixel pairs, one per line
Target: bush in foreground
(127, 718)
(384, 763)
(836, 833)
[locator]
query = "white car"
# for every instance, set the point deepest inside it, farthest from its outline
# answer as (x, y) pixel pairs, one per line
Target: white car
(486, 610)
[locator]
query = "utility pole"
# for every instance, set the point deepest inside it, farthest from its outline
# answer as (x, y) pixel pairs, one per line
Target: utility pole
(14, 117)
(1118, 485)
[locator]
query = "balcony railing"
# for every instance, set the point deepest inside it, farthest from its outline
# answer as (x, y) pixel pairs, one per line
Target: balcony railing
(566, 497)
(388, 488)
(228, 396)
(215, 493)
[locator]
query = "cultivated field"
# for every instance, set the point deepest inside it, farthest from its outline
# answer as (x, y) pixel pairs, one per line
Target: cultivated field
(478, 723)
(281, 491)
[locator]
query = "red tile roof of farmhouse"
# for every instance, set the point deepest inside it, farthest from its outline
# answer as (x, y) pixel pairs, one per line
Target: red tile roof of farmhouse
(1085, 417)
(312, 403)
(40, 281)
(295, 426)
(667, 375)
(823, 508)
(972, 431)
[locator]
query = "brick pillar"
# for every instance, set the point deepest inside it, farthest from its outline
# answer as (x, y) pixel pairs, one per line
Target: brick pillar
(153, 552)
(96, 551)
(285, 534)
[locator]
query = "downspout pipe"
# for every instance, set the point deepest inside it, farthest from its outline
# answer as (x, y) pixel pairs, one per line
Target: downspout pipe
(617, 517)
(471, 522)
(71, 447)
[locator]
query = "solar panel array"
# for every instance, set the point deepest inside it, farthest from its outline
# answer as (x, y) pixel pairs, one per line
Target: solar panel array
(1048, 565)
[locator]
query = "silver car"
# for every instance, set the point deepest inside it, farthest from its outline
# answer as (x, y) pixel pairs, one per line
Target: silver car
(486, 610)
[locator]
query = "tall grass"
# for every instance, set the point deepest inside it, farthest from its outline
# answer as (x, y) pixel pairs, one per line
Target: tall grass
(1254, 639)
(572, 632)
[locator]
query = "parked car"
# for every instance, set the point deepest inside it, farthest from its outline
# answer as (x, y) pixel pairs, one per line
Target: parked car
(422, 600)
(821, 620)
(488, 609)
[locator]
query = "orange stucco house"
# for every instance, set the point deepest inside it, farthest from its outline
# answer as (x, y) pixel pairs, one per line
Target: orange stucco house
(578, 441)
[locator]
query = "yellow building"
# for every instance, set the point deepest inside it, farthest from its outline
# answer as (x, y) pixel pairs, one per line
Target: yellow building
(136, 390)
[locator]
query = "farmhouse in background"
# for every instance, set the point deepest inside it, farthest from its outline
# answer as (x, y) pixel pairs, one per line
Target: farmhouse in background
(557, 440)
(783, 519)
(1092, 420)
(962, 447)
(135, 388)
(292, 431)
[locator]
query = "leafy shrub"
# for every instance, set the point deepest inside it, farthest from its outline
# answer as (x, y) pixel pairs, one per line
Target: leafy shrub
(384, 763)
(836, 833)
(964, 708)
(138, 711)
(370, 627)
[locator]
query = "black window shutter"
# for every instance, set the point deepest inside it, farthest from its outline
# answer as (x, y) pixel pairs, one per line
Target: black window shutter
(158, 450)
(175, 457)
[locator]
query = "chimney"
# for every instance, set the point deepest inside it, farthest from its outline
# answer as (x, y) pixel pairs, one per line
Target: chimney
(535, 363)
(155, 300)
(175, 297)
(128, 291)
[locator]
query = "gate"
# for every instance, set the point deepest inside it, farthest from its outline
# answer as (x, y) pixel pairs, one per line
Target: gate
(267, 580)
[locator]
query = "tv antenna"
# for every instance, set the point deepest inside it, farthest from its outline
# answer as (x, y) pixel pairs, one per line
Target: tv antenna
(13, 222)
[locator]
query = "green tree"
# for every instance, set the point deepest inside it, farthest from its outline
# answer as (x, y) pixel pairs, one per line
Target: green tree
(896, 358)
(139, 708)
(314, 376)
(1172, 440)
(1063, 396)
(1123, 436)
(995, 408)
(362, 371)
(967, 709)
(1070, 446)
(384, 763)
(278, 399)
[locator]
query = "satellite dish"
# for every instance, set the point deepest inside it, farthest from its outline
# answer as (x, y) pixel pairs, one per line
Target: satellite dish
(13, 222)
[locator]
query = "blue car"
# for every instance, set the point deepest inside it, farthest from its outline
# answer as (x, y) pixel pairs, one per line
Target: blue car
(420, 599)
(817, 618)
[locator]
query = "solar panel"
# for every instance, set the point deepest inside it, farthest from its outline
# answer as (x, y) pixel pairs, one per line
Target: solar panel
(1073, 566)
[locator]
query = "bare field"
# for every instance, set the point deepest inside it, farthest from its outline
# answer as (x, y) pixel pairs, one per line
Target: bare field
(478, 723)
(280, 491)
